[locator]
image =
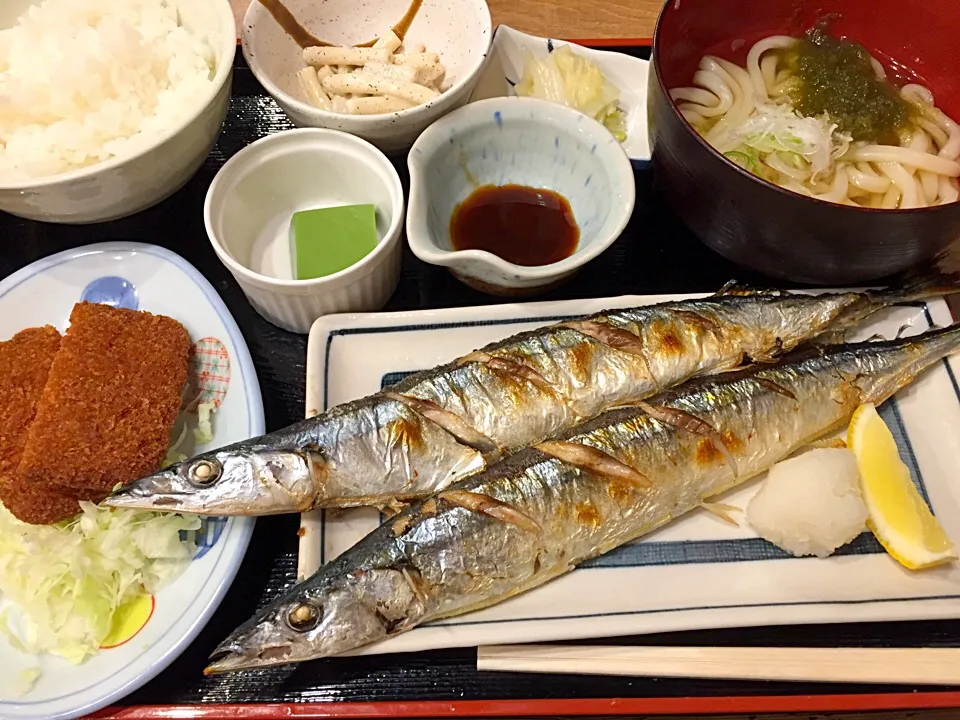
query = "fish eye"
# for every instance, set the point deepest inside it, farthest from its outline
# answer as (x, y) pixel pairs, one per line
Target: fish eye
(304, 617)
(203, 473)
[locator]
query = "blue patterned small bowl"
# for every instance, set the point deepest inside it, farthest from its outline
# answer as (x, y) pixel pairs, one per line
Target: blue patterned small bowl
(523, 141)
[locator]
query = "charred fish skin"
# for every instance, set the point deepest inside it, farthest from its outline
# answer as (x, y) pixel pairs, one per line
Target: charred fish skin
(438, 426)
(532, 516)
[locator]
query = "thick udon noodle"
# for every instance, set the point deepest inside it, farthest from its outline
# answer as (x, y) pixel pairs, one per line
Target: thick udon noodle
(920, 172)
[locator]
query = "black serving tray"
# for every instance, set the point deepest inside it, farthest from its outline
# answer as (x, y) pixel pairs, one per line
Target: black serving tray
(655, 255)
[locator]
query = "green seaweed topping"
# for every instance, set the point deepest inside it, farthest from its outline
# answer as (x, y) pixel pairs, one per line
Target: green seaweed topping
(835, 77)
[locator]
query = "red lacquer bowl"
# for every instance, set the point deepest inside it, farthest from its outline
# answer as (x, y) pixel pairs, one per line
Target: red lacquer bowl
(754, 223)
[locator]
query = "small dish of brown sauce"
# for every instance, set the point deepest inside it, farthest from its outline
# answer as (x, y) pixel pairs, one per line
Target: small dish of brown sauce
(522, 225)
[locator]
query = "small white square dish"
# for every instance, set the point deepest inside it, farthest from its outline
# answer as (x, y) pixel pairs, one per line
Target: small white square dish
(505, 66)
(249, 212)
(697, 572)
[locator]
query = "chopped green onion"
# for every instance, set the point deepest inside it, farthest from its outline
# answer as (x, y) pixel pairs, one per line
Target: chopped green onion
(741, 159)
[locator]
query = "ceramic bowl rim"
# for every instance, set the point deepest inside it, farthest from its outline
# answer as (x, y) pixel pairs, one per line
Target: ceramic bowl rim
(228, 48)
(612, 157)
(362, 122)
(760, 182)
(375, 160)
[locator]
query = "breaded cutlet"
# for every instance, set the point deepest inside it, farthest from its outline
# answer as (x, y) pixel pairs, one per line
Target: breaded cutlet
(25, 362)
(45, 505)
(110, 402)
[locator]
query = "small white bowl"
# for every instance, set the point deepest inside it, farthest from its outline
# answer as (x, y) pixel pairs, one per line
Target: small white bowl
(252, 199)
(125, 185)
(521, 141)
(505, 66)
(460, 31)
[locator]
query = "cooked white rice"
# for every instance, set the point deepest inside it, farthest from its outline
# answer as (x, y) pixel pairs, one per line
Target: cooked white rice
(83, 81)
(810, 504)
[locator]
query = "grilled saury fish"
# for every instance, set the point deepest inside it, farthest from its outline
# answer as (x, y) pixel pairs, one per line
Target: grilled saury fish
(441, 425)
(537, 514)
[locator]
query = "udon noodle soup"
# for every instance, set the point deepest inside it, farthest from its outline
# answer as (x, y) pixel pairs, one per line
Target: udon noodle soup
(819, 116)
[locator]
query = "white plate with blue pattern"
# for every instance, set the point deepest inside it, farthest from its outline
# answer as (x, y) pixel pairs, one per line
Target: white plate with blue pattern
(150, 278)
(504, 68)
(697, 572)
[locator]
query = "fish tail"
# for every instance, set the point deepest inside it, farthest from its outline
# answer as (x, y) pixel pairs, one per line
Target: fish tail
(937, 343)
(923, 351)
(932, 344)
(880, 368)
(914, 355)
(935, 278)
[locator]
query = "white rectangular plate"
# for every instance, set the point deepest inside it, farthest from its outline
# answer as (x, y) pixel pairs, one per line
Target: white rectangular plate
(697, 572)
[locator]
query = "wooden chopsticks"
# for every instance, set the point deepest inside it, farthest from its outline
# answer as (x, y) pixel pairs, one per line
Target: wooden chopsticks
(912, 666)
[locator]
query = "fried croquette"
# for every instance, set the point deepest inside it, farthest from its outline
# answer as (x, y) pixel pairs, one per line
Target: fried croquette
(25, 362)
(110, 402)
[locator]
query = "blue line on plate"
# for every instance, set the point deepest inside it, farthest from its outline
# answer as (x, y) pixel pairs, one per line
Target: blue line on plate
(798, 603)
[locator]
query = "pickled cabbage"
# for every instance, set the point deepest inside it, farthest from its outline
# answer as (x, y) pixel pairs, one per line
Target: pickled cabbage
(565, 78)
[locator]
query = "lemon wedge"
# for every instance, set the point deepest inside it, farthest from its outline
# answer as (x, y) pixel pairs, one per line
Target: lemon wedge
(899, 517)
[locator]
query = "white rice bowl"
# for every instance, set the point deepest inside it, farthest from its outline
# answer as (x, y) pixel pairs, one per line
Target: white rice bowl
(82, 148)
(84, 81)
(810, 504)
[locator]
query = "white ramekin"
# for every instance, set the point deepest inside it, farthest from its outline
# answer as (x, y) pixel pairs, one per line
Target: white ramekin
(252, 199)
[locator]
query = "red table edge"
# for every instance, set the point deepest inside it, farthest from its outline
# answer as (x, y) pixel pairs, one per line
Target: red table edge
(533, 708)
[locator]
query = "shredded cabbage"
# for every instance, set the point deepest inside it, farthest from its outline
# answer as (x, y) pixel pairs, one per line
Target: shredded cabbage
(202, 434)
(204, 430)
(568, 79)
(172, 458)
(173, 454)
(68, 580)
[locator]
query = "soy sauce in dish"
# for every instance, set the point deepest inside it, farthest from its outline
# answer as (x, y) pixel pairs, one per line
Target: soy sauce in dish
(523, 225)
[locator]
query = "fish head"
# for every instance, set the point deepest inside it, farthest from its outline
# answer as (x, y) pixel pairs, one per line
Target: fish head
(317, 618)
(231, 481)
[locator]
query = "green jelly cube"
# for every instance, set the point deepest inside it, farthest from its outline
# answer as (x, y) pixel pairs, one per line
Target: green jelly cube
(328, 240)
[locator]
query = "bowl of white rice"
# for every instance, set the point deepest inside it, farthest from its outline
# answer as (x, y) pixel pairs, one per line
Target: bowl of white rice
(108, 107)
